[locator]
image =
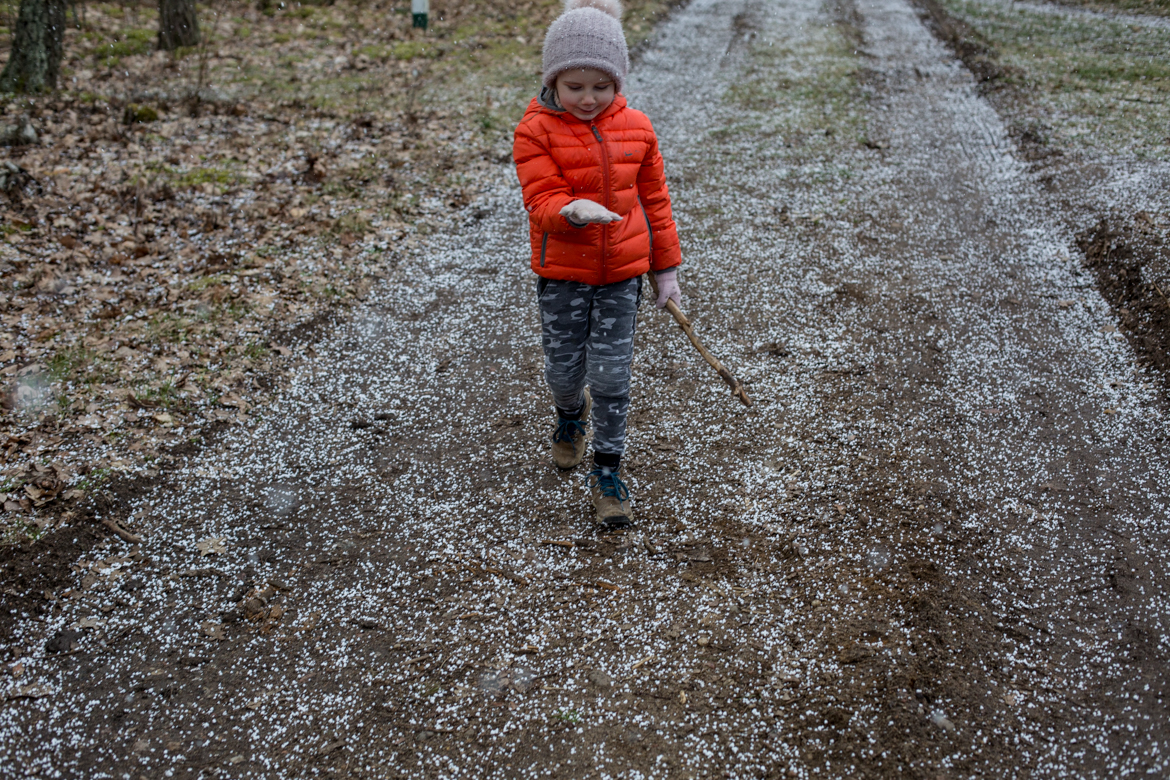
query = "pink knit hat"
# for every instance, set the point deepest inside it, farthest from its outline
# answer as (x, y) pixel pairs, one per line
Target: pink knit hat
(587, 35)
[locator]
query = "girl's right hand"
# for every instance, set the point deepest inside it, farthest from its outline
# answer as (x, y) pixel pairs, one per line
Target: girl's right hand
(583, 212)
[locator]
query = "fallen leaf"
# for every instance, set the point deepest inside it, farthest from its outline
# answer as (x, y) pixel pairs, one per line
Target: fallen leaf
(212, 629)
(212, 545)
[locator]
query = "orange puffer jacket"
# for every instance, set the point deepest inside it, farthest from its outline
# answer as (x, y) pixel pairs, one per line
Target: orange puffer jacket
(612, 160)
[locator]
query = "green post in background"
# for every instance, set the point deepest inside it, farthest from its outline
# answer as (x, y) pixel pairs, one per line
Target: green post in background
(419, 9)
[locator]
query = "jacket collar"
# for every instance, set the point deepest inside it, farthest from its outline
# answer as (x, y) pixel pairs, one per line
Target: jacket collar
(548, 103)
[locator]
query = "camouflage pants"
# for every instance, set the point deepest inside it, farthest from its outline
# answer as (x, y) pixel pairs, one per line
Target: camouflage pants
(588, 336)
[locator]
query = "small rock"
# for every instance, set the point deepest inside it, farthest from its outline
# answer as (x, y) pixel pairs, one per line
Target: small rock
(236, 759)
(942, 721)
(854, 653)
(19, 134)
(63, 642)
(600, 678)
(704, 641)
(423, 736)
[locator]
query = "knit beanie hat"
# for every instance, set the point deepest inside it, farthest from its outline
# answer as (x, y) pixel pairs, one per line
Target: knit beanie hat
(587, 35)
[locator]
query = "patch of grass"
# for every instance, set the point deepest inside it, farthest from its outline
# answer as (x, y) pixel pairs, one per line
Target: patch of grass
(203, 282)
(164, 395)
(411, 50)
(167, 328)
(568, 716)
(351, 223)
(131, 43)
(69, 364)
(1152, 7)
(375, 51)
(804, 93)
(221, 177)
(256, 350)
(1090, 83)
(18, 531)
(94, 479)
(7, 228)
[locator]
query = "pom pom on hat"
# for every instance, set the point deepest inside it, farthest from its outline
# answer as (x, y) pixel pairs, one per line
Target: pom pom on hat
(611, 7)
(587, 35)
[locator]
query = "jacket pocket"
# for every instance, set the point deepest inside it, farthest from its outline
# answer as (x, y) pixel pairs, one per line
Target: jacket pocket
(649, 230)
(544, 248)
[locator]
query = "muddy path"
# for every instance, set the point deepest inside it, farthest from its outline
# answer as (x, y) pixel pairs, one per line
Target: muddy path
(931, 549)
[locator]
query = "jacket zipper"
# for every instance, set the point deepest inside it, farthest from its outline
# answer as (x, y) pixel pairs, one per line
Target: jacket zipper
(605, 195)
(543, 247)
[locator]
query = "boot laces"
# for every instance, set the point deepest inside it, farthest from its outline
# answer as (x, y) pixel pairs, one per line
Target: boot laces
(568, 430)
(610, 484)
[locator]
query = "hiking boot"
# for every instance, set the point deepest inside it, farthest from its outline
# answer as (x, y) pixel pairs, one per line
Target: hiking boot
(611, 498)
(568, 444)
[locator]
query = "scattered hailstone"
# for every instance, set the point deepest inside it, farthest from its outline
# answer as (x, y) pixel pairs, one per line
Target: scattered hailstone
(878, 557)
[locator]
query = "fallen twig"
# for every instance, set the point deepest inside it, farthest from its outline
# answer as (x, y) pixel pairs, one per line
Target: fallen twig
(122, 533)
(557, 542)
(506, 575)
(593, 641)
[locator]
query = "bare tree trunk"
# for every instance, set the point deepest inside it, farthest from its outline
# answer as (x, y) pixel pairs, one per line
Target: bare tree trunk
(37, 45)
(177, 24)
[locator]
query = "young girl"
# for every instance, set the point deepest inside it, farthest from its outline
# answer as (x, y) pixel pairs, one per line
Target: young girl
(599, 215)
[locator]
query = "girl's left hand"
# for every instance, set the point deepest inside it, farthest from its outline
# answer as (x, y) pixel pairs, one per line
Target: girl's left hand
(668, 288)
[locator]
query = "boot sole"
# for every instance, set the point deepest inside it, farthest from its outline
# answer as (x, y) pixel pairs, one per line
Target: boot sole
(615, 523)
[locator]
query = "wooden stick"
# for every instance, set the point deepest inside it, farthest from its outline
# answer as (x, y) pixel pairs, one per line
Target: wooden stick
(672, 307)
(121, 532)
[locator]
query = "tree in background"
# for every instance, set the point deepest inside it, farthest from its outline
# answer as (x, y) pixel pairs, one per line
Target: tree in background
(177, 24)
(37, 45)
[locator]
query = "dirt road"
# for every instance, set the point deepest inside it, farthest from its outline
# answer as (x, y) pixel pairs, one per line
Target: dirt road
(932, 549)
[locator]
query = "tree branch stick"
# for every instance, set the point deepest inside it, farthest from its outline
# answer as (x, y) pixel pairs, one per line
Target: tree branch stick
(672, 307)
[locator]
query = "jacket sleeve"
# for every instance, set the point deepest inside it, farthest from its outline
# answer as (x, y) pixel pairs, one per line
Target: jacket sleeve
(656, 202)
(545, 190)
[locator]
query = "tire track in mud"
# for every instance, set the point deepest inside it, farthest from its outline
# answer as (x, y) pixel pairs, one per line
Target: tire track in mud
(926, 551)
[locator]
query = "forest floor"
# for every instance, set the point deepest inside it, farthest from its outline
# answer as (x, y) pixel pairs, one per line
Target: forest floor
(302, 376)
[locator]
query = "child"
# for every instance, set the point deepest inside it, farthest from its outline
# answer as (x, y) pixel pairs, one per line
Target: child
(599, 217)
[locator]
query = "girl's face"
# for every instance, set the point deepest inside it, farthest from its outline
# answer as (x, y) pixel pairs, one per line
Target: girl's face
(585, 92)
